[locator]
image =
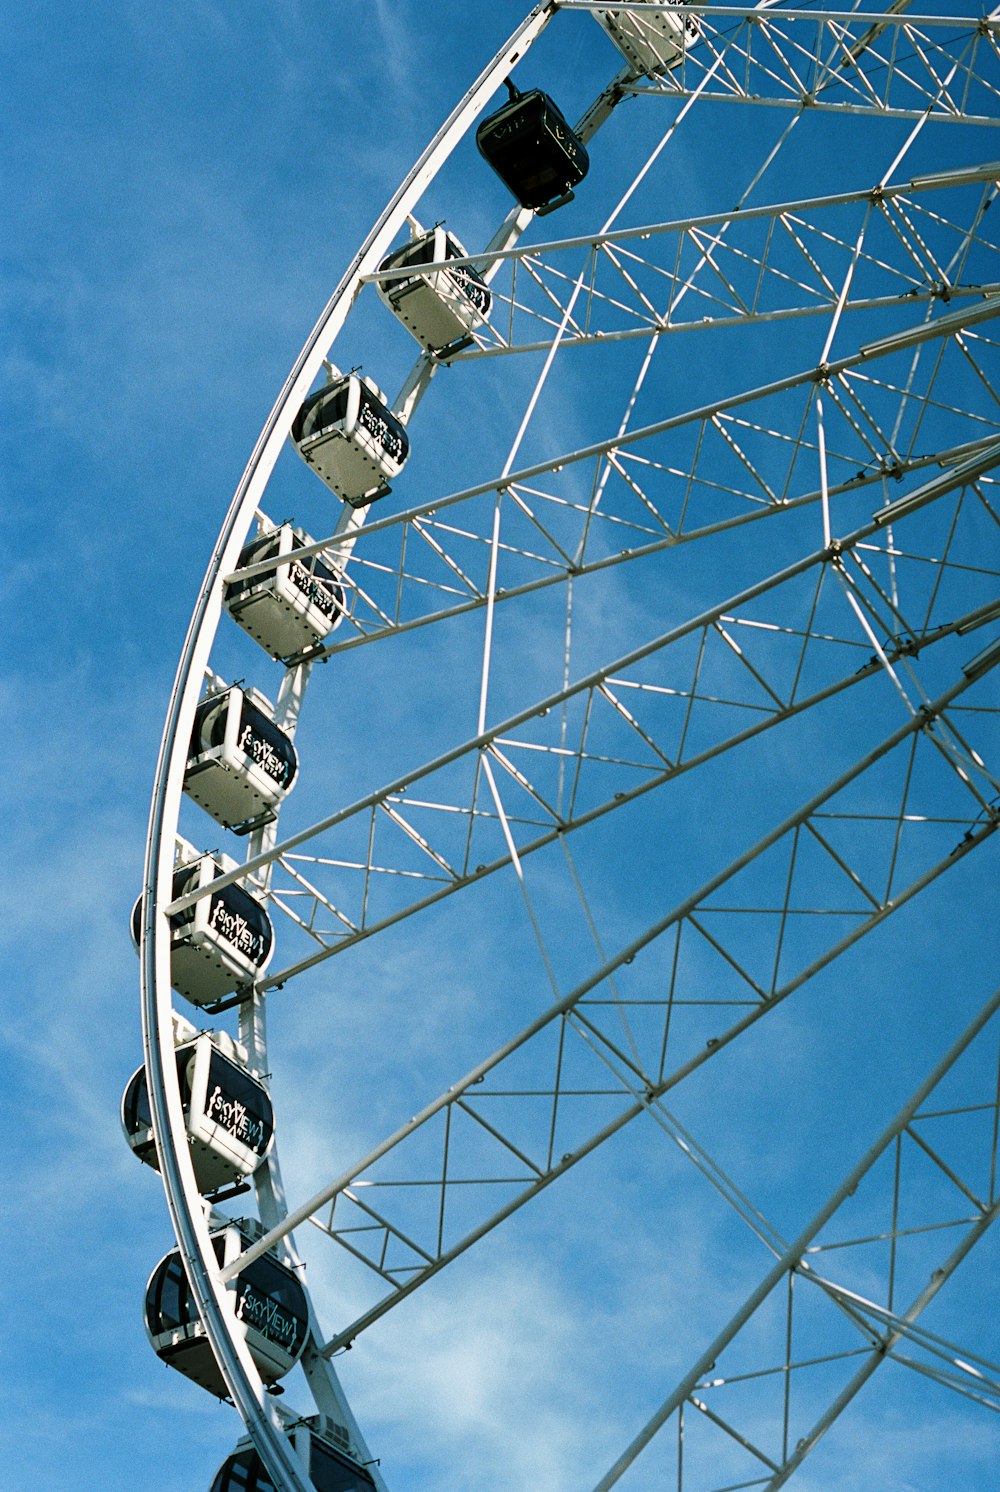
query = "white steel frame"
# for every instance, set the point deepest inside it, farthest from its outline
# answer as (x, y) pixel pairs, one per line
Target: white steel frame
(802, 60)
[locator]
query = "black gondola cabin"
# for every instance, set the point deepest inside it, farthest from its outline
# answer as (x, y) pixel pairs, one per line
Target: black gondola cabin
(444, 307)
(227, 1111)
(268, 1303)
(351, 439)
(293, 607)
(533, 150)
(328, 1464)
(240, 764)
(223, 941)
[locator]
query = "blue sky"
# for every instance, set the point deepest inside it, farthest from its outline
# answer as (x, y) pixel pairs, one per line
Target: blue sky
(182, 190)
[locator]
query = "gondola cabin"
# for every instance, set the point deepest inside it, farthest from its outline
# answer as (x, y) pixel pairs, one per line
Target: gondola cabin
(292, 607)
(227, 1111)
(240, 764)
(653, 41)
(351, 439)
(221, 942)
(327, 1461)
(443, 307)
(533, 150)
(268, 1304)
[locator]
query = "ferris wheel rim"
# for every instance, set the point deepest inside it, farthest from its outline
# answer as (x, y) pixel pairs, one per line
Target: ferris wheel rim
(155, 965)
(183, 1199)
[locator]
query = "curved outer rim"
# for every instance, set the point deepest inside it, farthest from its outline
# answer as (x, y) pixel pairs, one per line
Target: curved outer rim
(184, 1202)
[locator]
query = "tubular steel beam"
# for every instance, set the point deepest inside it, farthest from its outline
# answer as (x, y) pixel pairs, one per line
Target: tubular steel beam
(608, 967)
(794, 1256)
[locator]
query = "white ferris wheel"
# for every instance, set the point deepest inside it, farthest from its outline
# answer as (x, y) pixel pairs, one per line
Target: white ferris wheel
(629, 648)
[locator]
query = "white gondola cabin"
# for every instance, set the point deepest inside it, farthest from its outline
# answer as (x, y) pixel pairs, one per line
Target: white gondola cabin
(350, 438)
(442, 308)
(227, 1111)
(653, 41)
(533, 150)
(324, 1457)
(268, 1303)
(240, 764)
(293, 607)
(222, 942)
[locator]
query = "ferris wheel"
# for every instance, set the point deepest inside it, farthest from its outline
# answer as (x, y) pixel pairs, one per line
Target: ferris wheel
(581, 774)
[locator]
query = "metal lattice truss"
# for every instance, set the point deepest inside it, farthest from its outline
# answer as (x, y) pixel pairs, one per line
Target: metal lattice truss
(891, 435)
(785, 908)
(891, 407)
(498, 1137)
(894, 65)
(863, 613)
(868, 660)
(837, 1303)
(772, 264)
